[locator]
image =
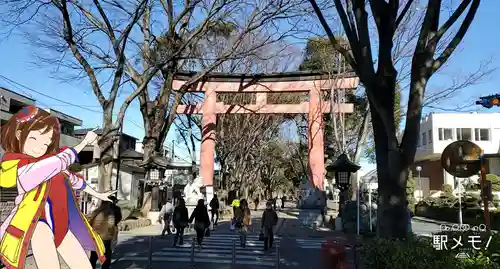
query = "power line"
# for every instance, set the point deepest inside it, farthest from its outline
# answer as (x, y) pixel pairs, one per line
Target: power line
(17, 85)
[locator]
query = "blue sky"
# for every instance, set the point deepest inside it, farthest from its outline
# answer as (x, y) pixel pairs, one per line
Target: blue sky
(481, 42)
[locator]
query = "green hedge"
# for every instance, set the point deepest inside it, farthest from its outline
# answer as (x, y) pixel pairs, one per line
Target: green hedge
(416, 253)
(471, 216)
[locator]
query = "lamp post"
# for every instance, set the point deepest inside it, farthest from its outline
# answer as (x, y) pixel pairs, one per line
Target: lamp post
(343, 168)
(420, 191)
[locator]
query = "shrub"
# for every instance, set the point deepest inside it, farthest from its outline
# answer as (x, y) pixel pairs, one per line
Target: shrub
(472, 200)
(447, 190)
(472, 216)
(486, 252)
(415, 254)
(495, 181)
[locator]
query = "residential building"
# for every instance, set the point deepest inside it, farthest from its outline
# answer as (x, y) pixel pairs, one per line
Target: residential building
(438, 130)
(91, 153)
(130, 178)
(68, 124)
(11, 102)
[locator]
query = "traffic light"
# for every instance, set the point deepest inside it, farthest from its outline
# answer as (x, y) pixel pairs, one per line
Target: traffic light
(489, 101)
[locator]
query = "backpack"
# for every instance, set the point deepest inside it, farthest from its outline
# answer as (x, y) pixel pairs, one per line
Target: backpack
(238, 222)
(238, 218)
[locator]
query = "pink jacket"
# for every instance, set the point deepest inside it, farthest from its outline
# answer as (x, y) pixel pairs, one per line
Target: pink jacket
(32, 175)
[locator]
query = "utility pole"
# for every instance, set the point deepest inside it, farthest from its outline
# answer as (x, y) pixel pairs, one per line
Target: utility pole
(118, 158)
(173, 150)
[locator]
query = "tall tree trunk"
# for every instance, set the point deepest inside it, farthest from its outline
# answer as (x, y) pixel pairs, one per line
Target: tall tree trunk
(391, 166)
(149, 150)
(106, 150)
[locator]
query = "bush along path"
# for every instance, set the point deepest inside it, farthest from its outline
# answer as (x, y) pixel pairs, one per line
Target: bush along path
(426, 253)
(446, 208)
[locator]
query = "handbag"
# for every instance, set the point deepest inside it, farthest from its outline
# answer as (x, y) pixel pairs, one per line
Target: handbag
(207, 232)
(261, 236)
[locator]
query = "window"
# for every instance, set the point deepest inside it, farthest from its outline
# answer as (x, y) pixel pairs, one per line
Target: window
(464, 134)
(445, 134)
(482, 134)
(429, 136)
(424, 139)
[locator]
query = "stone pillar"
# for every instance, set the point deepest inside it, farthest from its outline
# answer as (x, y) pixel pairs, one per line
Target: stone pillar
(207, 151)
(316, 158)
(155, 199)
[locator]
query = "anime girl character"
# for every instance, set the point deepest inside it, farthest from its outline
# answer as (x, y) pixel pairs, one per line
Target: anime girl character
(45, 213)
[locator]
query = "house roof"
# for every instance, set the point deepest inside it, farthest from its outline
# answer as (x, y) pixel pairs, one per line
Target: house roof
(64, 116)
(130, 167)
(82, 132)
(164, 163)
(16, 93)
(131, 154)
(370, 176)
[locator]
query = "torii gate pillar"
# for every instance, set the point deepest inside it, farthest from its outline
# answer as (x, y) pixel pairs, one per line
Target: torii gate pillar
(207, 149)
(316, 160)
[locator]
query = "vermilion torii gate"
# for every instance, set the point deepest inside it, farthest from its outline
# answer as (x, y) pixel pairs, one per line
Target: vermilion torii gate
(313, 83)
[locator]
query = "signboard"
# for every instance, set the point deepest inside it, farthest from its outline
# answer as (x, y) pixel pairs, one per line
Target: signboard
(461, 159)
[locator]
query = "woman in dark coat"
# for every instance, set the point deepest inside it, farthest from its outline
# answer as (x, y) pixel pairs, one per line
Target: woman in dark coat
(181, 221)
(201, 220)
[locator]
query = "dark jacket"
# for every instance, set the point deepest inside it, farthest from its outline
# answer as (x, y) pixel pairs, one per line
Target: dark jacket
(269, 218)
(200, 215)
(214, 204)
(180, 217)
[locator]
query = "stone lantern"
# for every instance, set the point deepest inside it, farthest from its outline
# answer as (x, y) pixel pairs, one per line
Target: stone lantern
(343, 168)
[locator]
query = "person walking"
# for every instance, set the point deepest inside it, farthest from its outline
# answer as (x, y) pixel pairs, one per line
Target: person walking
(214, 205)
(256, 203)
(244, 220)
(278, 203)
(180, 220)
(202, 221)
(104, 220)
(166, 215)
(269, 220)
(235, 204)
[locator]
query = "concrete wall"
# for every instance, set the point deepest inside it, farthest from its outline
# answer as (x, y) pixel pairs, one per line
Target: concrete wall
(68, 141)
(429, 152)
(435, 121)
(128, 185)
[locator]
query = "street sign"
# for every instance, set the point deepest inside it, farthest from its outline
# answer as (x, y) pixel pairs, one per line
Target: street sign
(462, 159)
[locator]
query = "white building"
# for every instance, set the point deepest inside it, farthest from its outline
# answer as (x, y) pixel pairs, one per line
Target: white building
(438, 130)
